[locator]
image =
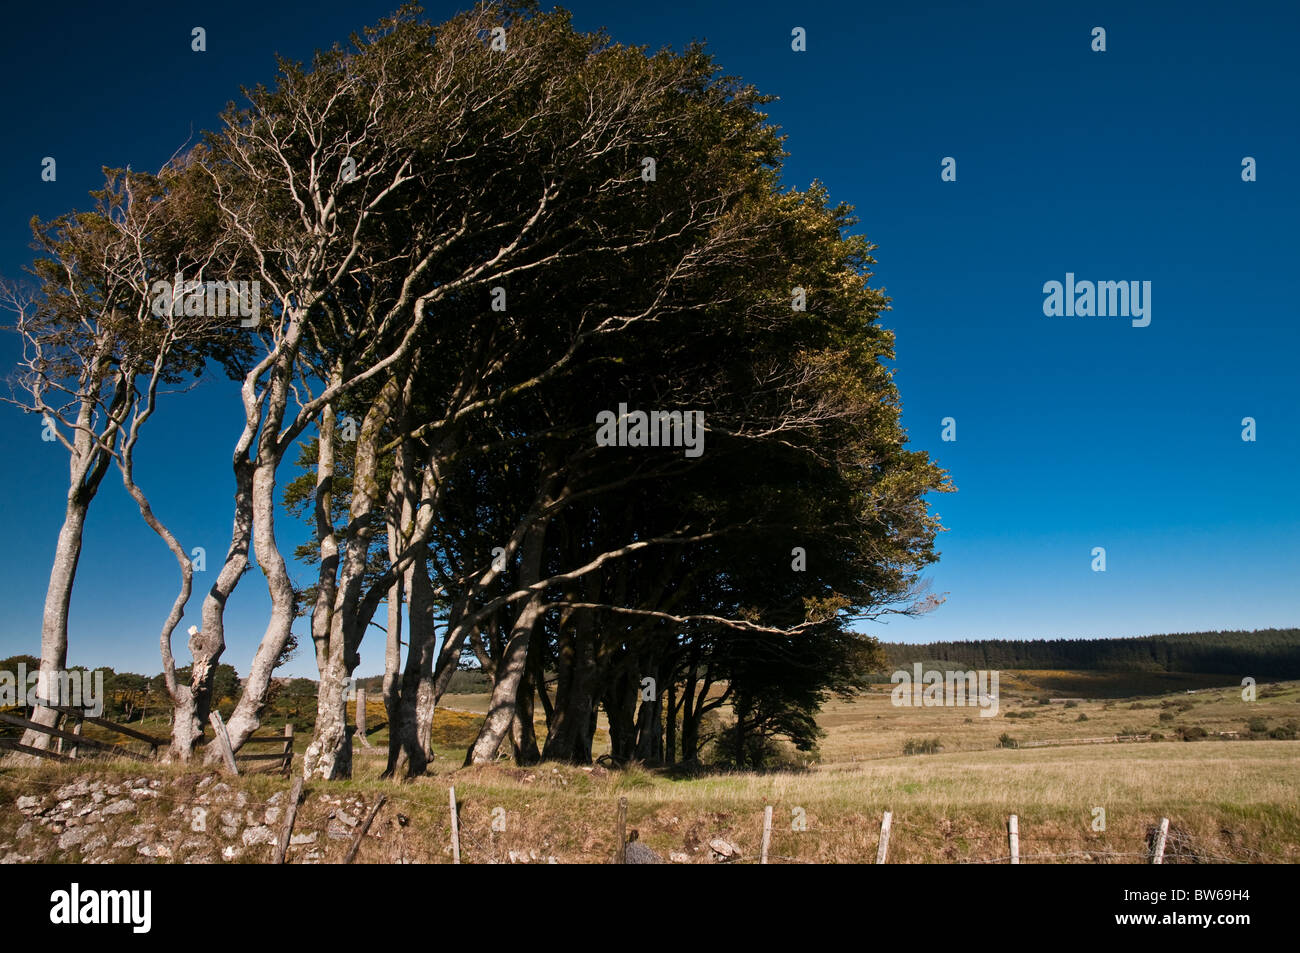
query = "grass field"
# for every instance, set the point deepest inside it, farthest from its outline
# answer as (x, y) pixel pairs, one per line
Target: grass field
(1227, 800)
(870, 727)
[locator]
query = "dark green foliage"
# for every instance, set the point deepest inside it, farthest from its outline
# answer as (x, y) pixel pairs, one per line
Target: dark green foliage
(1264, 653)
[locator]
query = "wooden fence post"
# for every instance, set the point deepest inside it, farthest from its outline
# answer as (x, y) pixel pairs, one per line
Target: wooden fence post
(361, 831)
(223, 741)
(290, 814)
(361, 717)
(1158, 854)
(620, 832)
(885, 823)
(767, 833)
(288, 748)
(1013, 837)
(76, 730)
(455, 830)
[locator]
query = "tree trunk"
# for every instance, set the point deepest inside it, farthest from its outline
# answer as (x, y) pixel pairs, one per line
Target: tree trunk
(247, 716)
(690, 718)
(392, 669)
(329, 755)
(207, 645)
(54, 621)
(511, 668)
(414, 723)
(523, 734)
(88, 462)
(589, 736)
(670, 726)
(650, 727)
(185, 732)
(327, 577)
(620, 709)
(255, 519)
(566, 739)
(400, 514)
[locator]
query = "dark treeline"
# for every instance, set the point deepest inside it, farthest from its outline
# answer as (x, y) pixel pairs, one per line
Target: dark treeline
(1261, 653)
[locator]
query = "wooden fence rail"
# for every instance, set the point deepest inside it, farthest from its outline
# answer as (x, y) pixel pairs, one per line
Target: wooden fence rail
(12, 744)
(284, 756)
(152, 741)
(78, 741)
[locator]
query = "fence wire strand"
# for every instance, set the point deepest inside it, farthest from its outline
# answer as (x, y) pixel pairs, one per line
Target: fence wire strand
(867, 834)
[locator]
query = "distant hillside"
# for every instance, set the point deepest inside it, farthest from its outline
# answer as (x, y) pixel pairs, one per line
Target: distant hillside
(1260, 654)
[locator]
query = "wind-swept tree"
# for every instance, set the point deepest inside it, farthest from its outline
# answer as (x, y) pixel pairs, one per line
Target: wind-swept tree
(97, 341)
(547, 228)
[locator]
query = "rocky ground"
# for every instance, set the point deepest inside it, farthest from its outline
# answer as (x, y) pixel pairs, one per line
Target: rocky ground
(188, 819)
(108, 813)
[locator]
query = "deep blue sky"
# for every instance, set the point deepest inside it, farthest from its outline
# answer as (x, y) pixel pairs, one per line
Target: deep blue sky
(1072, 432)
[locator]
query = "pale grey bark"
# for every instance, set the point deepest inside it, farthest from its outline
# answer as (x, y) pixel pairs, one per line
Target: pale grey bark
(246, 718)
(330, 753)
(269, 410)
(186, 729)
(88, 462)
(392, 666)
(510, 670)
(54, 619)
(327, 577)
(208, 643)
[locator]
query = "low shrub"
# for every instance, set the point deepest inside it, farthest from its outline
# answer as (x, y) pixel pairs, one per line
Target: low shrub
(921, 746)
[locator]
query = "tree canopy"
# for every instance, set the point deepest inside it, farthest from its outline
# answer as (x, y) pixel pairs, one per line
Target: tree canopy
(579, 388)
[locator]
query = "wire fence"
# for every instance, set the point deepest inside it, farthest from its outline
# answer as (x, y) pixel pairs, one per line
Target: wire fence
(334, 816)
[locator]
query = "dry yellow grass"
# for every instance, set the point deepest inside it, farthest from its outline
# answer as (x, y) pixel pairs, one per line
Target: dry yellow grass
(1226, 800)
(871, 727)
